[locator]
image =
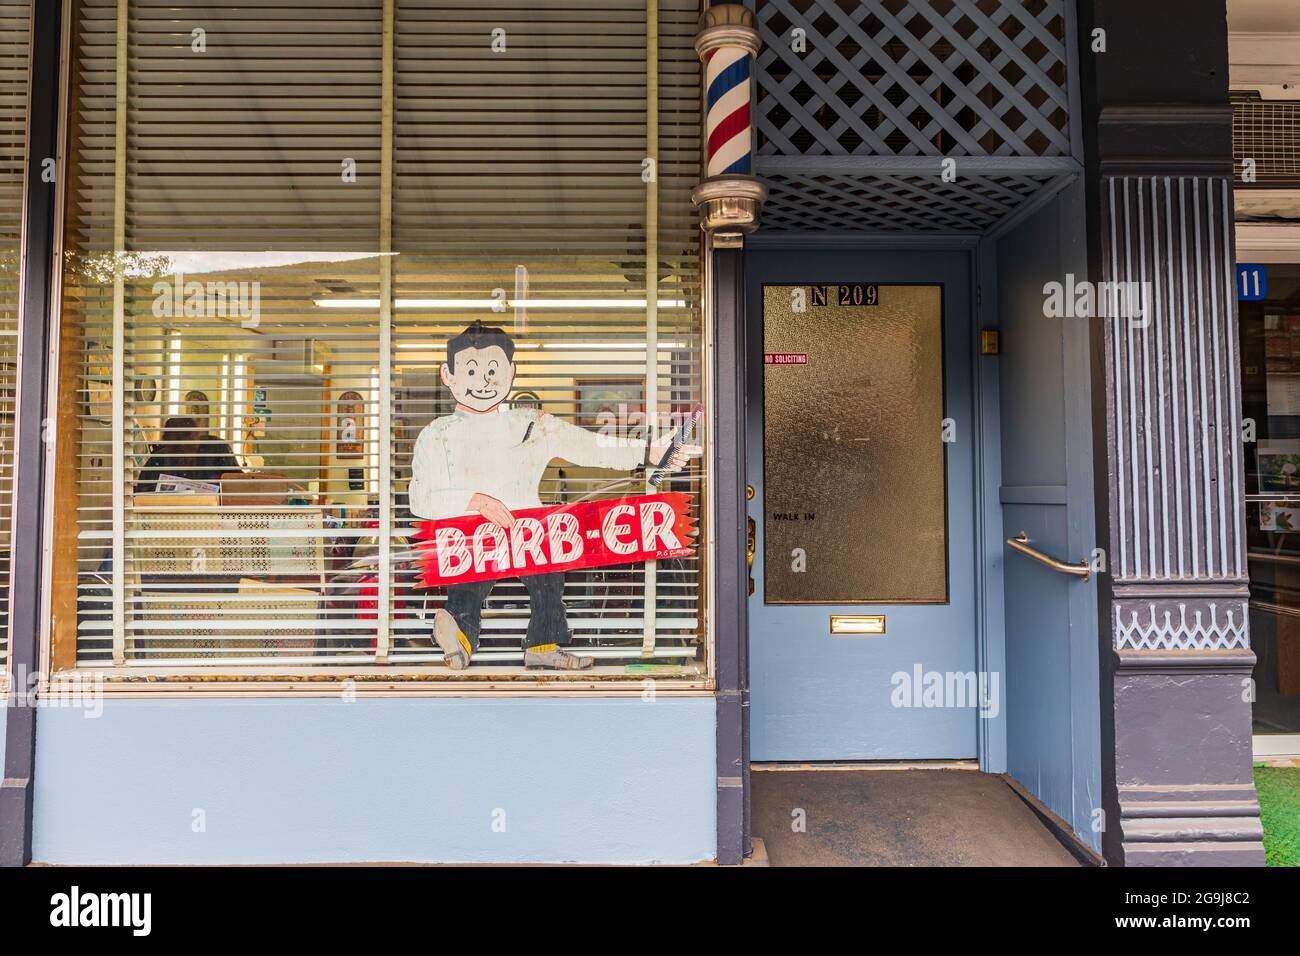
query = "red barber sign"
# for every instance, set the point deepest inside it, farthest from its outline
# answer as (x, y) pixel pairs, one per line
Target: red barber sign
(588, 534)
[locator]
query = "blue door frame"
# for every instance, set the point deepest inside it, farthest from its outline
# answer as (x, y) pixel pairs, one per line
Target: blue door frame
(973, 482)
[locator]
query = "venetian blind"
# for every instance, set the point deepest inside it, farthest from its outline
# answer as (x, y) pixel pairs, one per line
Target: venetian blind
(238, 209)
(249, 248)
(521, 174)
(15, 35)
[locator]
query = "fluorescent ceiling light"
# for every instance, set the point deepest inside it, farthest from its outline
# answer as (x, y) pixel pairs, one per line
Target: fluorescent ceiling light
(608, 346)
(560, 346)
(439, 346)
(502, 304)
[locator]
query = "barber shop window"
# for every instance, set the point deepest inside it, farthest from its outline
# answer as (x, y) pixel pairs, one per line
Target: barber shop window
(1270, 398)
(410, 398)
(15, 31)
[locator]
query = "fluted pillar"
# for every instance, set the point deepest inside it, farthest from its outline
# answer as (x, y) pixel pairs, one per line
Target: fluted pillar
(1176, 644)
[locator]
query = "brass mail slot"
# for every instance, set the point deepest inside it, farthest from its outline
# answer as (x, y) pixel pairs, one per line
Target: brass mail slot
(857, 624)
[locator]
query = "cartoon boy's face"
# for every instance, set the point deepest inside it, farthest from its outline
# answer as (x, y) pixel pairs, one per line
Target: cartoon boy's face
(481, 379)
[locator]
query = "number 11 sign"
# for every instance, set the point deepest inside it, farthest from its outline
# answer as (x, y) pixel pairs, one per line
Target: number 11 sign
(1252, 283)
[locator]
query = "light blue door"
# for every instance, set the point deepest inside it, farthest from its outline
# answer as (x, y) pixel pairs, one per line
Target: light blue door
(1052, 666)
(860, 443)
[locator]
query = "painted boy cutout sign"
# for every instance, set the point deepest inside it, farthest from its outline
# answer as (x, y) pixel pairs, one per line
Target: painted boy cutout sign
(489, 458)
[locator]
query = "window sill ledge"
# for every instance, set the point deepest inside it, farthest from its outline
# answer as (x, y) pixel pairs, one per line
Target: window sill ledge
(125, 682)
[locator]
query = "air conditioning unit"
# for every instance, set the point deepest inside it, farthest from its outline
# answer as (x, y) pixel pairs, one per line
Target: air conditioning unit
(307, 353)
(294, 361)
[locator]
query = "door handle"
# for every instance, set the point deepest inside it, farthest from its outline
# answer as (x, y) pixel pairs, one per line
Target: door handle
(1021, 543)
(751, 542)
(750, 547)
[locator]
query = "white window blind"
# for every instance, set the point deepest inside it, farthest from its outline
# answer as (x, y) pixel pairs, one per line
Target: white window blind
(15, 35)
(522, 172)
(289, 267)
(233, 151)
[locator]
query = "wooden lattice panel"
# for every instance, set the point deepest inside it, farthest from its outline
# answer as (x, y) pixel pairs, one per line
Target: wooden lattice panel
(895, 204)
(913, 78)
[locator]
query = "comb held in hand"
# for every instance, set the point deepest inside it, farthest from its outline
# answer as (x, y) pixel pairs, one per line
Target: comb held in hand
(683, 436)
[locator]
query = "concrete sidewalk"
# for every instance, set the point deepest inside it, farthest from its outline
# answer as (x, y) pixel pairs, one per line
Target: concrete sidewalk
(881, 817)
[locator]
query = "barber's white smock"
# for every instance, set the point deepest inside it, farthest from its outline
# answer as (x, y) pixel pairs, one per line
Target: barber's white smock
(460, 455)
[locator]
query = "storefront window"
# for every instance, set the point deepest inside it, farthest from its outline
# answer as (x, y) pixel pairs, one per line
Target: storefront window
(15, 32)
(1270, 337)
(259, 410)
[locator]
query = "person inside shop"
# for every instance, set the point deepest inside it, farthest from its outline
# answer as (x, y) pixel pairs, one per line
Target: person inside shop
(197, 408)
(185, 452)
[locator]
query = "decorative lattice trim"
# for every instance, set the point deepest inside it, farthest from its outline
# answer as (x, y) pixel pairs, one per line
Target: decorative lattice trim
(913, 77)
(1203, 632)
(898, 204)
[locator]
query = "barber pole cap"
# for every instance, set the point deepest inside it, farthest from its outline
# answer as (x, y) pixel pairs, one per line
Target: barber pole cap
(730, 197)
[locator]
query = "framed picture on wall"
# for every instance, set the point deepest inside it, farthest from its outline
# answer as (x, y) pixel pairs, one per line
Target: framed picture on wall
(350, 442)
(1278, 518)
(1279, 466)
(99, 382)
(601, 401)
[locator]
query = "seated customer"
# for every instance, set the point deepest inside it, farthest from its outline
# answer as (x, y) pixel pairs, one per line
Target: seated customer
(217, 456)
(185, 453)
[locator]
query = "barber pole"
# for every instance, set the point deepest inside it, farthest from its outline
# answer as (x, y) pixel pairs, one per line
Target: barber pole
(730, 197)
(726, 79)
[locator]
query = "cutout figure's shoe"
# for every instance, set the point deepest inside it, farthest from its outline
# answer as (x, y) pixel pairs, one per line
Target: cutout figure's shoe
(550, 657)
(455, 646)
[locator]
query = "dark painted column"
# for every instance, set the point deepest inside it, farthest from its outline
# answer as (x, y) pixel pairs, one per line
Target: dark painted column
(37, 283)
(1175, 645)
(730, 612)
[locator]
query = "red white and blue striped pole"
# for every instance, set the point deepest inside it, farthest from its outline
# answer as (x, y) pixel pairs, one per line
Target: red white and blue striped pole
(726, 80)
(729, 197)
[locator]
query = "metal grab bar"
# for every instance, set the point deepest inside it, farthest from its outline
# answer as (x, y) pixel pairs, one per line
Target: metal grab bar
(1021, 543)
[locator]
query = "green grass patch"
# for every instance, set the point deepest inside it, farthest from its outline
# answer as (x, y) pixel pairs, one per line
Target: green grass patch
(1279, 805)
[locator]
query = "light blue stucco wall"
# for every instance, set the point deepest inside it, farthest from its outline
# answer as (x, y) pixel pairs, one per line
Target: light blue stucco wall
(608, 780)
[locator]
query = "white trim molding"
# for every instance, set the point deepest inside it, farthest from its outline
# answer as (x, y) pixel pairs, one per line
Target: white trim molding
(1265, 62)
(1276, 746)
(1269, 205)
(1268, 242)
